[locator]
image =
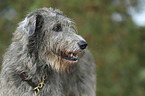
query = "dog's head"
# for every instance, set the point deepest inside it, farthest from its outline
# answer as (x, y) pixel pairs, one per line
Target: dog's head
(52, 38)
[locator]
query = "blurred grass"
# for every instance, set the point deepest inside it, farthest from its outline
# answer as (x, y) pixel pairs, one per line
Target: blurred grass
(117, 46)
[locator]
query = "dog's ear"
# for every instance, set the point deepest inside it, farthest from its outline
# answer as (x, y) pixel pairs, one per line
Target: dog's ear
(33, 24)
(34, 31)
(39, 24)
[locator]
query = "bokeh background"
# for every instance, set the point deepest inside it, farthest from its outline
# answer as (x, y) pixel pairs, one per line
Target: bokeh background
(114, 30)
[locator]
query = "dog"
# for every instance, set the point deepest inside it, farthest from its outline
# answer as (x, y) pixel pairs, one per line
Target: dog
(47, 58)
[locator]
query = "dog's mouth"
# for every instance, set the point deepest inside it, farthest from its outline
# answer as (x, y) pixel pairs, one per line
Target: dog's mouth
(69, 56)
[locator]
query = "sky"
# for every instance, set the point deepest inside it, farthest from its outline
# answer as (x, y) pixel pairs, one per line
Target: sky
(138, 16)
(137, 13)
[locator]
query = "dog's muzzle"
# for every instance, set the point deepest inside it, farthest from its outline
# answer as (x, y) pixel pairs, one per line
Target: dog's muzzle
(73, 56)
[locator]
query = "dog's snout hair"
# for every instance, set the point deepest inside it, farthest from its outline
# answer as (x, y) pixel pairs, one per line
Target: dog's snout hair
(47, 58)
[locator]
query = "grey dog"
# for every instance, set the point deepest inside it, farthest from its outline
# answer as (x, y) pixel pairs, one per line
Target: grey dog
(47, 58)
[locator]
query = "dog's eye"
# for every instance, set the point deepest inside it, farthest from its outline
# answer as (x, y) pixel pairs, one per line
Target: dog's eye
(57, 28)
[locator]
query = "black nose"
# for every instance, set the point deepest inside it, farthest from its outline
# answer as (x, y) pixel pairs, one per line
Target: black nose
(82, 44)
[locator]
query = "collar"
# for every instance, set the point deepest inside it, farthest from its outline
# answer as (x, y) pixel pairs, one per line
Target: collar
(36, 87)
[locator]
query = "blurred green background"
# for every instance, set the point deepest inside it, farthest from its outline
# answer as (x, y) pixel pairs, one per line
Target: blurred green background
(117, 43)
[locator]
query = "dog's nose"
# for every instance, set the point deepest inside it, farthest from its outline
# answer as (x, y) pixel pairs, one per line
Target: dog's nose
(82, 44)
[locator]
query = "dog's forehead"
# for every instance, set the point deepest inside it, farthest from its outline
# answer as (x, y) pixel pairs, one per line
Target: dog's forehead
(51, 14)
(46, 12)
(56, 15)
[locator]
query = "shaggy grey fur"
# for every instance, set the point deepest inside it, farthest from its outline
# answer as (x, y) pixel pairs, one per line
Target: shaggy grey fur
(37, 48)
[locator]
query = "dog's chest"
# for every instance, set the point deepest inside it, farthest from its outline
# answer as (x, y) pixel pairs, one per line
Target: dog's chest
(70, 85)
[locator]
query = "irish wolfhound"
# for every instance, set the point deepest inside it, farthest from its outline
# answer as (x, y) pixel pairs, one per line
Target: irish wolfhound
(47, 58)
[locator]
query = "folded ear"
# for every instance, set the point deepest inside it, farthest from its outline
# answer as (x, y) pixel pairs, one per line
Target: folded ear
(33, 24)
(34, 30)
(39, 24)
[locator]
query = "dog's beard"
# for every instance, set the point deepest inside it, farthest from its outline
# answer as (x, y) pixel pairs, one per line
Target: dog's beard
(63, 62)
